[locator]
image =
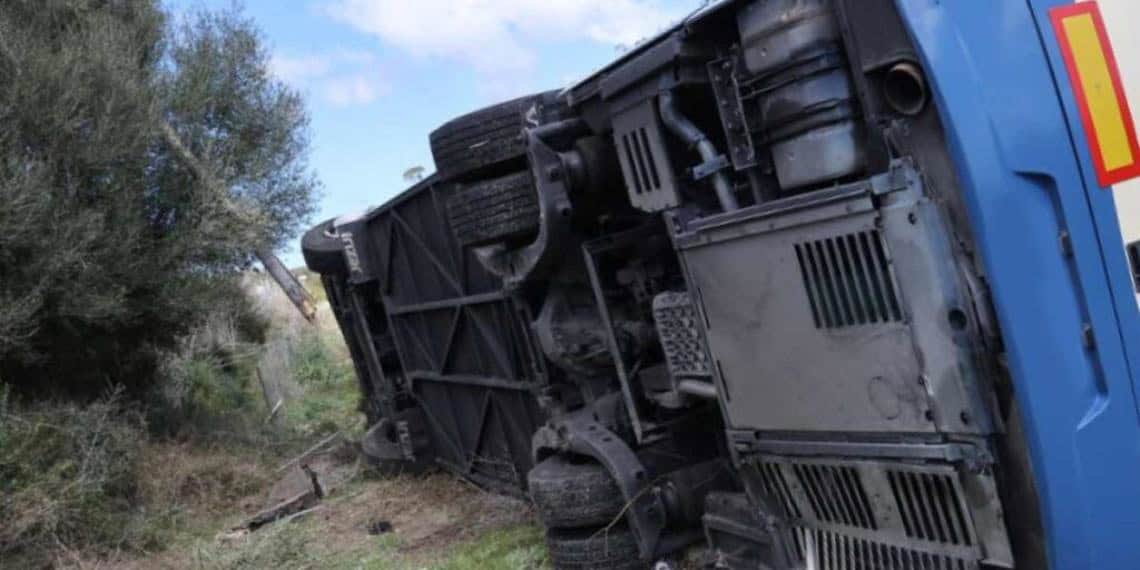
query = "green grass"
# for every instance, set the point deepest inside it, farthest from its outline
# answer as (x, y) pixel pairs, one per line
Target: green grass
(280, 546)
(305, 544)
(331, 394)
(382, 552)
(299, 546)
(506, 549)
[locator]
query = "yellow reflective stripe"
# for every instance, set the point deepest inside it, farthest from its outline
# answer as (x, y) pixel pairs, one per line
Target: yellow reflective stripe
(1096, 79)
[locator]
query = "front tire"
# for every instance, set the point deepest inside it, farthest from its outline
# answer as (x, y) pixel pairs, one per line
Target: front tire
(323, 251)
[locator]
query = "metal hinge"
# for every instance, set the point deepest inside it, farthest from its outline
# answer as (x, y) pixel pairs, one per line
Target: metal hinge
(1065, 241)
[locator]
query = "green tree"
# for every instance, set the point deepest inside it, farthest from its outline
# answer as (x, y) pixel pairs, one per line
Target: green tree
(414, 174)
(111, 246)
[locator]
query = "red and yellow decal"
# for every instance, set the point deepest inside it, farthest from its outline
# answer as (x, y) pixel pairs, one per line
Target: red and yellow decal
(1095, 78)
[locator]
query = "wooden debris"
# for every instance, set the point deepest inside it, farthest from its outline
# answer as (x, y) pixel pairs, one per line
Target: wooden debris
(300, 458)
(292, 505)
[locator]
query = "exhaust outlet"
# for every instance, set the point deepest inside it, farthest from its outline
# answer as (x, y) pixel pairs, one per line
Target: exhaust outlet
(904, 88)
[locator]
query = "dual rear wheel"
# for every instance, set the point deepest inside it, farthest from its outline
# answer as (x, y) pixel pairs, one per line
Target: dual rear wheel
(583, 511)
(484, 154)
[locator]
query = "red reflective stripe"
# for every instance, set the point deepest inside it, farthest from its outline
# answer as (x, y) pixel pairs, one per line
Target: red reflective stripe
(1105, 177)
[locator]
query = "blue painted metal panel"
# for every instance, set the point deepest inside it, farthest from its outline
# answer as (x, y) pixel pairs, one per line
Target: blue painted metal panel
(1100, 204)
(1024, 181)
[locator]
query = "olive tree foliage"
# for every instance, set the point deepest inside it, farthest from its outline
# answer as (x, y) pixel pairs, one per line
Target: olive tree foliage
(112, 246)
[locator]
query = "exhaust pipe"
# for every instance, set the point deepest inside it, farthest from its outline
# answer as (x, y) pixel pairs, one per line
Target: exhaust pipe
(904, 88)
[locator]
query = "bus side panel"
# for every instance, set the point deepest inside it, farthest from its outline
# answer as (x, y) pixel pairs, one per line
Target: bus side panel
(1023, 187)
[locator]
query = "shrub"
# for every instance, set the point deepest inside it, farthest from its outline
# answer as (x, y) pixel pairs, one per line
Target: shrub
(331, 398)
(67, 479)
(207, 383)
(113, 244)
(317, 366)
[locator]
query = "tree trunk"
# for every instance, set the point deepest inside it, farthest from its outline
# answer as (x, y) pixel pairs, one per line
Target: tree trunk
(273, 266)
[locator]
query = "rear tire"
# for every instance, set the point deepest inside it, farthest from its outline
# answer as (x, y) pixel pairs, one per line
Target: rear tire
(572, 493)
(593, 548)
(503, 209)
(323, 252)
(488, 141)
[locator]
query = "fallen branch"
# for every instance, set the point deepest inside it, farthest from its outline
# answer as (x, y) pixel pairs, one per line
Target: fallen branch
(308, 452)
(303, 513)
(249, 218)
(299, 503)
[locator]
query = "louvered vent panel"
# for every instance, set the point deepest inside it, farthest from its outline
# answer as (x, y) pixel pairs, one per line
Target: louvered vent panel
(930, 507)
(854, 515)
(826, 550)
(848, 280)
(836, 494)
(642, 176)
(775, 485)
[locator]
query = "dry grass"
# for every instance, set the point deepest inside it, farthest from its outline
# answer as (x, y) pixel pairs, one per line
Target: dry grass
(437, 522)
(176, 495)
(203, 481)
(428, 514)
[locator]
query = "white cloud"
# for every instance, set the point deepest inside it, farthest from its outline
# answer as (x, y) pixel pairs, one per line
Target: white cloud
(496, 36)
(343, 77)
(353, 90)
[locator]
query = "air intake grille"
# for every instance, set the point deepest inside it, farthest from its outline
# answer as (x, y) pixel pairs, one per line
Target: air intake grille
(828, 550)
(642, 176)
(910, 516)
(836, 494)
(776, 486)
(641, 150)
(848, 280)
(929, 507)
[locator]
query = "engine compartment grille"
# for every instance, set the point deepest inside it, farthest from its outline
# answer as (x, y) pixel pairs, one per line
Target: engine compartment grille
(848, 280)
(853, 514)
(836, 495)
(829, 550)
(930, 507)
(645, 165)
(639, 155)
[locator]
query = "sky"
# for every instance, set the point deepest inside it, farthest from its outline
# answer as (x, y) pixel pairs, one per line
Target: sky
(379, 75)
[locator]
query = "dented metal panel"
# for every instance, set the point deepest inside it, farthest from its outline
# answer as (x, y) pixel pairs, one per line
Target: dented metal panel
(845, 315)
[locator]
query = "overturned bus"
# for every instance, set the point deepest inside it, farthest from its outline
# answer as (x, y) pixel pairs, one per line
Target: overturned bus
(782, 280)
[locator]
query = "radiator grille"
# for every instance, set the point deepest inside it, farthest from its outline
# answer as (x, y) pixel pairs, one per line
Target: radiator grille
(836, 494)
(642, 176)
(848, 280)
(929, 507)
(775, 485)
(826, 550)
(893, 505)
